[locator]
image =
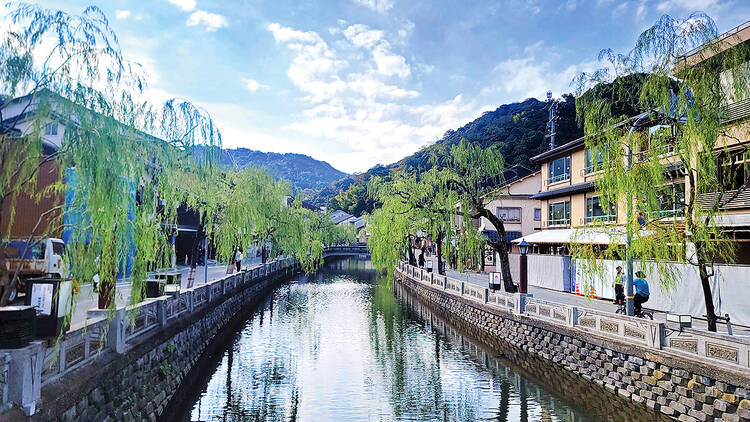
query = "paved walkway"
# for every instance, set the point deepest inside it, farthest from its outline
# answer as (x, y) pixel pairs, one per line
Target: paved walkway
(88, 299)
(582, 301)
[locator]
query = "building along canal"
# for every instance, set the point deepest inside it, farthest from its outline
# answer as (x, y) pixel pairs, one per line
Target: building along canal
(346, 344)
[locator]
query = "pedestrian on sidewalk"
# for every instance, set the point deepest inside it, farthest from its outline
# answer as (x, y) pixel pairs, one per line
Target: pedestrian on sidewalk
(619, 290)
(239, 260)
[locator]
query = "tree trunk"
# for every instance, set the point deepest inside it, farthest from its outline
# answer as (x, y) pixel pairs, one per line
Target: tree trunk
(501, 248)
(195, 253)
(441, 267)
(706, 286)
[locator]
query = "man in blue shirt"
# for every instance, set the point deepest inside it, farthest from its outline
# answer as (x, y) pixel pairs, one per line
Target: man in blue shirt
(641, 292)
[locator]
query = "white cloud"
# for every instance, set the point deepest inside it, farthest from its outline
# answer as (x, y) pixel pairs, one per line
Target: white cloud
(252, 85)
(185, 5)
(387, 63)
(380, 6)
(122, 14)
(570, 5)
(353, 106)
(210, 21)
(526, 76)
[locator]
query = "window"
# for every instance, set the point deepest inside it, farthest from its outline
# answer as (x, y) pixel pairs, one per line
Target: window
(671, 199)
(559, 170)
(595, 211)
(594, 160)
(734, 170)
(559, 214)
(509, 214)
(537, 214)
(50, 129)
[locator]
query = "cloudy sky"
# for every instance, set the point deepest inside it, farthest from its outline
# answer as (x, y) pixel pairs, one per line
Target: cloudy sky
(361, 82)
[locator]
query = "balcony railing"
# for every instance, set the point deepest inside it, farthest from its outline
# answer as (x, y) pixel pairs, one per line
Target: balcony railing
(589, 219)
(593, 168)
(654, 215)
(738, 110)
(558, 178)
(660, 151)
(731, 199)
(558, 222)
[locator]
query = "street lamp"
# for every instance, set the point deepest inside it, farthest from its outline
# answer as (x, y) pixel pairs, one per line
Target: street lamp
(524, 282)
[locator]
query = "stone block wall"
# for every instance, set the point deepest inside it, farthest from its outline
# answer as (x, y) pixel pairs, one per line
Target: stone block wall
(683, 389)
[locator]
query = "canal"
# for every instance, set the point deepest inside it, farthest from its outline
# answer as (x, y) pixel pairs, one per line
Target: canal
(348, 345)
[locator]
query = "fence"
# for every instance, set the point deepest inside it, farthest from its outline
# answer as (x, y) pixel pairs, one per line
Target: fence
(113, 331)
(719, 348)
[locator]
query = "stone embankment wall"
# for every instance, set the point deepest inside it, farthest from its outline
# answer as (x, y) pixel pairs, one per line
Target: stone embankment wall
(137, 383)
(682, 388)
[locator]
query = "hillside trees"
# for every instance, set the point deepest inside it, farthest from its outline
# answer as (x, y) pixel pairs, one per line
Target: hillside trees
(687, 161)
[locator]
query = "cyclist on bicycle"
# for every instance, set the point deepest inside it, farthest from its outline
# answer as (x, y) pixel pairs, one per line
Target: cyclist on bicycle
(641, 292)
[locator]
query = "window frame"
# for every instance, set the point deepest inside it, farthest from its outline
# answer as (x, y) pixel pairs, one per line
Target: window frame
(559, 178)
(520, 214)
(565, 221)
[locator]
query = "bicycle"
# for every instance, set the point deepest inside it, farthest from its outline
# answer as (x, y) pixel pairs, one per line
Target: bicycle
(621, 310)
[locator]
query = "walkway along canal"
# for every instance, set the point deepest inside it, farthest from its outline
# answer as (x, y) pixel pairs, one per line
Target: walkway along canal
(346, 344)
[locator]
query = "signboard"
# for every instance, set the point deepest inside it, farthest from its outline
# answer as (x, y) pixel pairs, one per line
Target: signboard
(41, 298)
(489, 256)
(496, 280)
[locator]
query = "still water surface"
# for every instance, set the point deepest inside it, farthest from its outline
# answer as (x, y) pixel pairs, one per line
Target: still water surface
(347, 345)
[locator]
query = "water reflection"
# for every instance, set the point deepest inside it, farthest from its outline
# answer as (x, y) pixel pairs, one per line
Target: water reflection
(346, 345)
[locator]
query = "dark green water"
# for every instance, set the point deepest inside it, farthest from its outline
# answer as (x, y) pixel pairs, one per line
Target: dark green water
(345, 345)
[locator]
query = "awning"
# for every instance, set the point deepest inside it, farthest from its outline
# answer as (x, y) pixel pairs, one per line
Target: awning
(732, 220)
(566, 191)
(591, 236)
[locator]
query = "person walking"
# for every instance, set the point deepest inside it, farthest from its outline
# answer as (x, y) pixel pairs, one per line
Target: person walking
(619, 290)
(641, 292)
(238, 261)
(421, 259)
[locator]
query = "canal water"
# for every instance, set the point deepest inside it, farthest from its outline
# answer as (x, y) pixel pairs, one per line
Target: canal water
(348, 345)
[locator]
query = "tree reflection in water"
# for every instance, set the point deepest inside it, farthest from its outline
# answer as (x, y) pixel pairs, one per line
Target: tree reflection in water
(345, 344)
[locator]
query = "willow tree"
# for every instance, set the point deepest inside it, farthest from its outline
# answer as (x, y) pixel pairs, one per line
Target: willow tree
(393, 225)
(68, 71)
(682, 138)
(470, 174)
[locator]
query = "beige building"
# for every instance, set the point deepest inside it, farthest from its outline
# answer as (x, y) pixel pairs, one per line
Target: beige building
(521, 215)
(569, 199)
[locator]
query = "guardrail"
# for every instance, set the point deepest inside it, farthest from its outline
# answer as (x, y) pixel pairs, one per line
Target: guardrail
(114, 331)
(722, 349)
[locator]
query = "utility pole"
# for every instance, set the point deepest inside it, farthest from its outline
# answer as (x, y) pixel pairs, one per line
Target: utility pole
(205, 260)
(629, 305)
(551, 131)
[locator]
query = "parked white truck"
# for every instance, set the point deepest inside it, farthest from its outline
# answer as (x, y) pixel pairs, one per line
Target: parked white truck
(43, 258)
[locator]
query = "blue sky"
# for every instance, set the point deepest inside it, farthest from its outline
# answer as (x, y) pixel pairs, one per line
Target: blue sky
(361, 82)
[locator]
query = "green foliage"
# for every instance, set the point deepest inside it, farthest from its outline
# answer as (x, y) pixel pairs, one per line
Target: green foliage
(690, 102)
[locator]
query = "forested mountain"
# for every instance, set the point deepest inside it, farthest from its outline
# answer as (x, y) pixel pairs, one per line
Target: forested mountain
(303, 171)
(517, 129)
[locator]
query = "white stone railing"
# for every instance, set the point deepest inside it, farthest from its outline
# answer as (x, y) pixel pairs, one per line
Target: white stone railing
(77, 348)
(720, 348)
(551, 311)
(727, 349)
(41, 363)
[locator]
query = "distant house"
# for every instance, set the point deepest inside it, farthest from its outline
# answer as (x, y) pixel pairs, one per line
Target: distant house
(339, 216)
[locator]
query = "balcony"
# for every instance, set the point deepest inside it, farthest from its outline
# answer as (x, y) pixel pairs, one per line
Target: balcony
(738, 110)
(590, 219)
(729, 200)
(661, 151)
(658, 215)
(559, 178)
(562, 222)
(593, 168)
